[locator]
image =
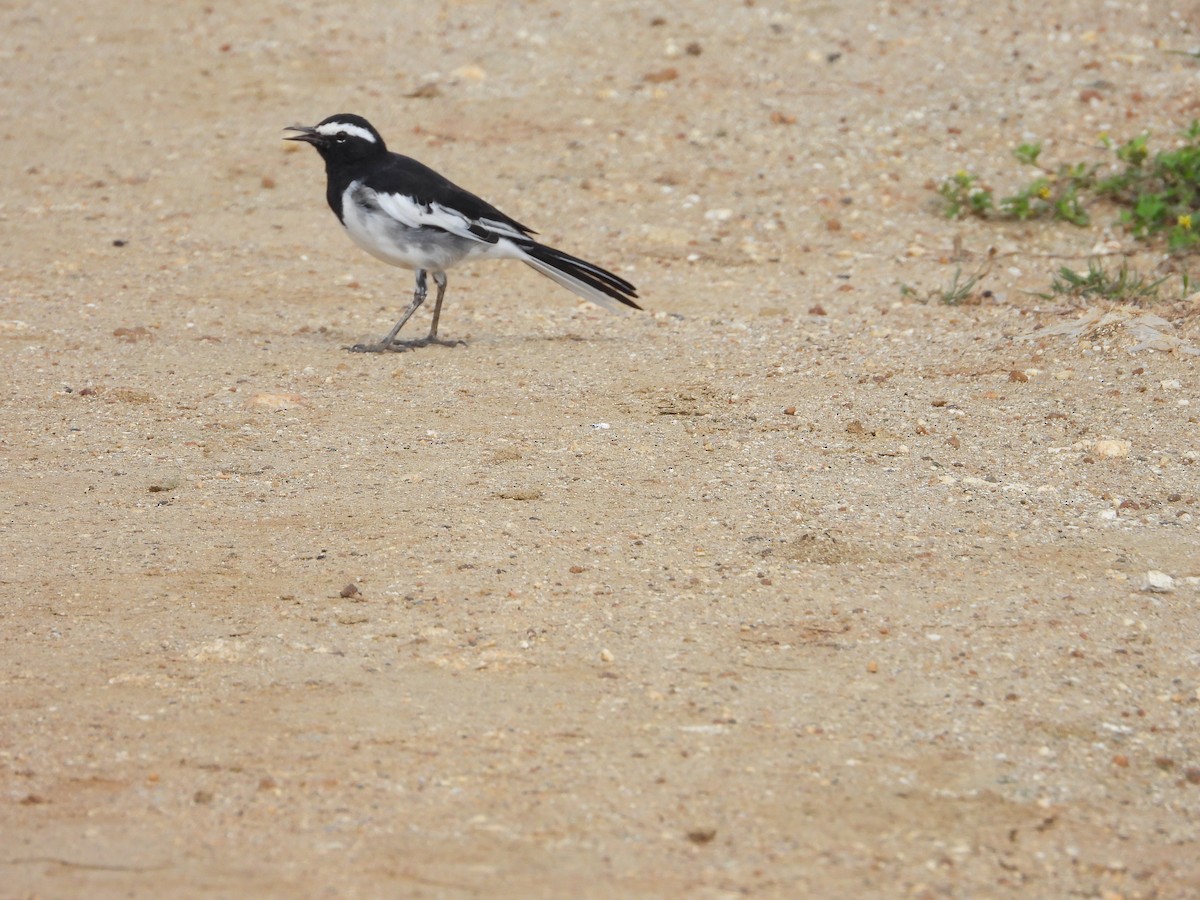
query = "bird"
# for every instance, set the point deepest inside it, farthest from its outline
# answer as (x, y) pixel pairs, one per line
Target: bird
(403, 212)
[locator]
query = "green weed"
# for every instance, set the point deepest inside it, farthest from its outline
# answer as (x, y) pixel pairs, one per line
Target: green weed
(1159, 194)
(1122, 286)
(960, 289)
(1155, 194)
(963, 195)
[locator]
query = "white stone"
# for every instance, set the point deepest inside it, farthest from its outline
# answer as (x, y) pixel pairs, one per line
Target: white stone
(1159, 582)
(1111, 448)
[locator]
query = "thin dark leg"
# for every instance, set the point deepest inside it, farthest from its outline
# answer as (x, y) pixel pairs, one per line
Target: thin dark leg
(390, 342)
(439, 279)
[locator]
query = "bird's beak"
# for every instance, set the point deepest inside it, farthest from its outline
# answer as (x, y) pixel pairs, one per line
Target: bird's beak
(307, 134)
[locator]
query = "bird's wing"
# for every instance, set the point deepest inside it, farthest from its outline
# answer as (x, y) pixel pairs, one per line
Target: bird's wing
(409, 211)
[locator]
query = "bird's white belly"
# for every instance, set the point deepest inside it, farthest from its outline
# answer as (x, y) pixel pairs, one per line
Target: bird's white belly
(398, 244)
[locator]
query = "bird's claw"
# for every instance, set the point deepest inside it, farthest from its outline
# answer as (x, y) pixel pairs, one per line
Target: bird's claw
(403, 346)
(366, 348)
(441, 342)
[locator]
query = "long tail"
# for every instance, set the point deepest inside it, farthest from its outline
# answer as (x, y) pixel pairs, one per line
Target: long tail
(580, 277)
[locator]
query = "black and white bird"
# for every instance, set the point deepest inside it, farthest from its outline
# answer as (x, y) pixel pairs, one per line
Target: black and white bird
(406, 214)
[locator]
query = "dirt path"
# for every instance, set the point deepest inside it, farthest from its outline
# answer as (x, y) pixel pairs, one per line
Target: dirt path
(796, 585)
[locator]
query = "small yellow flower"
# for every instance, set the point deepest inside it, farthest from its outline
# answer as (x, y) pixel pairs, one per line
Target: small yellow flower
(1185, 221)
(1044, 192)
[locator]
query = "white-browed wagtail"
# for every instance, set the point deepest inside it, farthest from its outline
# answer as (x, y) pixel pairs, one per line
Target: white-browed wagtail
(406, 214)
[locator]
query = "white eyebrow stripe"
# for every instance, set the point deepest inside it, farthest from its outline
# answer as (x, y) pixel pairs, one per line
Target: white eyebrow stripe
(331, 128)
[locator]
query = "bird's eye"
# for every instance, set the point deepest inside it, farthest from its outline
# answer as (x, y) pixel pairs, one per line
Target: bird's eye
(340, 137)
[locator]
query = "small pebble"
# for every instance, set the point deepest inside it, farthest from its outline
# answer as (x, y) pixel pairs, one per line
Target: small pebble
(164, 483)
(1159, 582)
(277, 400)
(661, 76)
(1112, 449)
(470, 73)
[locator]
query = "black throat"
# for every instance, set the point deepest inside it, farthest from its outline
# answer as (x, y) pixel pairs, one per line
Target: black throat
(337, 179)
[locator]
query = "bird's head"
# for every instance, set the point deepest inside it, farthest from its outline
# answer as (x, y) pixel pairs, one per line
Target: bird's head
(341, 139)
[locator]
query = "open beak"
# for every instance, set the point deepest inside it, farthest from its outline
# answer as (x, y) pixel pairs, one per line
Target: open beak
(307, 134)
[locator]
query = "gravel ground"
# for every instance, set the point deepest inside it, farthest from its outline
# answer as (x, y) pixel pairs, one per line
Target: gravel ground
(801, 583)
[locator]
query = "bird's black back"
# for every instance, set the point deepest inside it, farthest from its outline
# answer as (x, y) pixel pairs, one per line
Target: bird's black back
(391, 173)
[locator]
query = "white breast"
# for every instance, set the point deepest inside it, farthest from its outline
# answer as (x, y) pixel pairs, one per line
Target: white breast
(394, 242)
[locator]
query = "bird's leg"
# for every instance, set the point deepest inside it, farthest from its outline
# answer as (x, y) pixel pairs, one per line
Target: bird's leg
(390, 342)
(439, 279)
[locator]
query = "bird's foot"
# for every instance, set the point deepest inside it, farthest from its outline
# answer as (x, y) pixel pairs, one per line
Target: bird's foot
(402, 346)
(440, 342)
(370, 348)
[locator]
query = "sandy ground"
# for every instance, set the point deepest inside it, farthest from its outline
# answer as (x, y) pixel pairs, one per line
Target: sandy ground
(797, 584)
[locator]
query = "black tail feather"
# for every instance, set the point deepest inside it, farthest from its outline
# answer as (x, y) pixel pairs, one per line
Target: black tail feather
(592, 275)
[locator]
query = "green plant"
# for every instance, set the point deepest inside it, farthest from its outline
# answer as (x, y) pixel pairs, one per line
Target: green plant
(1159, 194)
(1028, 153)
(962, 195)
(1122, 286)
(1156, 194)
(1056, 194)
(960, 289)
